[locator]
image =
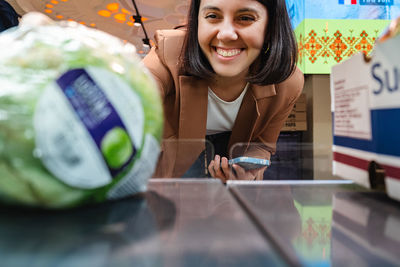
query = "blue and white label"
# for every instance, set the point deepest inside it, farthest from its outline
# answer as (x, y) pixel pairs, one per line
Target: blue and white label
(89, 125)
(96, 113)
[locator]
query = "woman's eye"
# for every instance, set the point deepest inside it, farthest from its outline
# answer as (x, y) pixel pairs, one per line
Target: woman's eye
(246, 18)
(211, 16)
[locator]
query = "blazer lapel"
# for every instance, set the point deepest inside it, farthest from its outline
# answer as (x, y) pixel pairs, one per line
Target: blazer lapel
(245, 121)
(249, 114)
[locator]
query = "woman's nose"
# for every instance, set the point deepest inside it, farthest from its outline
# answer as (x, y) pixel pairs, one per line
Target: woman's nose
(227, 32)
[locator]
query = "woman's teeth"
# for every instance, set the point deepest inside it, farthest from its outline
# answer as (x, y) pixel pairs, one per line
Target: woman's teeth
(228, 52)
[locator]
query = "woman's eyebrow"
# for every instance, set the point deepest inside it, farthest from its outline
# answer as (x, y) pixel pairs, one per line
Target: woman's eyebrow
(210, 8)
(247, 9)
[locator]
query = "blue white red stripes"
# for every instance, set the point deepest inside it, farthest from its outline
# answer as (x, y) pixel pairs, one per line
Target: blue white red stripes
(347, 2)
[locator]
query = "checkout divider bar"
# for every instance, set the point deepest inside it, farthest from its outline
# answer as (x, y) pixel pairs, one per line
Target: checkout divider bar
(289, 182)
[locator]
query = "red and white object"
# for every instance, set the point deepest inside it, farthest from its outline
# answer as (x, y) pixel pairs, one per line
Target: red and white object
(366, 116)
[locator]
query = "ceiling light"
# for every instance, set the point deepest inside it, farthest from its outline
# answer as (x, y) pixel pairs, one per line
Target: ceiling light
(104, 13)
(120, 17)
(146, 42)
(137, 20)
(113, 7)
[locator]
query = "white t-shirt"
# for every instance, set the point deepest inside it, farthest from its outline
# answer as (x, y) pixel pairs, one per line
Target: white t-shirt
(221, 115)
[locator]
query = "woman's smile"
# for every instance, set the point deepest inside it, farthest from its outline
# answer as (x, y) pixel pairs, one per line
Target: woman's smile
(228, 52)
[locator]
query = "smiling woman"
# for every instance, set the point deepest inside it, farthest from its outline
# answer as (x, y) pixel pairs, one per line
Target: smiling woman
(229, 77)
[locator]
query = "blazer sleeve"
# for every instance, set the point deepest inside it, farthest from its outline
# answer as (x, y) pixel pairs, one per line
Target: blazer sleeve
(154, 62)
(163, 59)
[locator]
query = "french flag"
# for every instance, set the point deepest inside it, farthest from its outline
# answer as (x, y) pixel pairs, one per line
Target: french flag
(347, 2)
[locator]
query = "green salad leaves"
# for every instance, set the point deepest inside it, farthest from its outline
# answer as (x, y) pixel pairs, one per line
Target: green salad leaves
(56, 151)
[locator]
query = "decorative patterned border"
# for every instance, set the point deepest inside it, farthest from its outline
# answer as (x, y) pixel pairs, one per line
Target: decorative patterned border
(324, 43)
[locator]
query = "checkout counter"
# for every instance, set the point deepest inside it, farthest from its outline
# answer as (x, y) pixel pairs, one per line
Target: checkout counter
(201, 222)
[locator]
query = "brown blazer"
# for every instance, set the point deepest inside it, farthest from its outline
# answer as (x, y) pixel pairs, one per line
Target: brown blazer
(260, 118)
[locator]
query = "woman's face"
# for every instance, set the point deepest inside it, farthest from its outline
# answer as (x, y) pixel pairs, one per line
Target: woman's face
(231, 34)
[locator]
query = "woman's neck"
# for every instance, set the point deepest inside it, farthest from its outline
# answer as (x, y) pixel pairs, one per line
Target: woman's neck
(228, 88)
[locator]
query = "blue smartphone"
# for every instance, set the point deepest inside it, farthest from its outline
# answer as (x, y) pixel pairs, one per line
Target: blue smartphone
(249, 163)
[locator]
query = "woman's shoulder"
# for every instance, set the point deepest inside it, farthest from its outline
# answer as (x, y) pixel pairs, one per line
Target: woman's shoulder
(294, 83)
(288, 89)
(296, 79)
(168, 34)
(291, 88)
(169, 44)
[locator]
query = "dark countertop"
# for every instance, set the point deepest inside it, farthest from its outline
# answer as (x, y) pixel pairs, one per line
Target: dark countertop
(176, 223)
(201, 222)
(324, 223)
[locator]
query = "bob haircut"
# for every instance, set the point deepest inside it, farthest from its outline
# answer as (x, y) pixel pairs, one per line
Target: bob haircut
(277, 59)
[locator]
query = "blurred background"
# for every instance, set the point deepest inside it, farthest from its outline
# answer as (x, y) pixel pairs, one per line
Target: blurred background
(328, 32)
(114, 17)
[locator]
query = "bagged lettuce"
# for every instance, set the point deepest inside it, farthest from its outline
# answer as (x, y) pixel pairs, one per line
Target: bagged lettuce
(80, 116)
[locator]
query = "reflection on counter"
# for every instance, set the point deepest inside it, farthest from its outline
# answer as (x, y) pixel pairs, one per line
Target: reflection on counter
(177, 222)
(314, 242)
(210, 228)
(121, 233)
(296, 216)
(365, 230)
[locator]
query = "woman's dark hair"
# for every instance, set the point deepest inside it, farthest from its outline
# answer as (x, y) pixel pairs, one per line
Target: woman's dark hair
(277, 59)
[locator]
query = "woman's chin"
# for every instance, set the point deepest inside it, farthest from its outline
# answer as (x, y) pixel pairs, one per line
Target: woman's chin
(229, 73)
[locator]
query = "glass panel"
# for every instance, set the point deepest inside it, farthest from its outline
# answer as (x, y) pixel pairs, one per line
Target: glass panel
(184, 158)
(292, 160)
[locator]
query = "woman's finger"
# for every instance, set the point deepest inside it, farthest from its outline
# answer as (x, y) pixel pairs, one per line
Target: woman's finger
(225, 166)
(217, 167)
(211, 168)
(240, 172)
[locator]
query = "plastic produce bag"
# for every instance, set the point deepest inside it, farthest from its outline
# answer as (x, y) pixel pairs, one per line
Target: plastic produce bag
(80, 116)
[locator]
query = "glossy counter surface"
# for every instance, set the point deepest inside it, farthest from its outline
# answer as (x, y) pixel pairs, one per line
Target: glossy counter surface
(324, 223)
(176, 223)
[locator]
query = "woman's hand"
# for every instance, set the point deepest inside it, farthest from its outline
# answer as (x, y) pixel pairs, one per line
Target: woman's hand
(219, 168)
